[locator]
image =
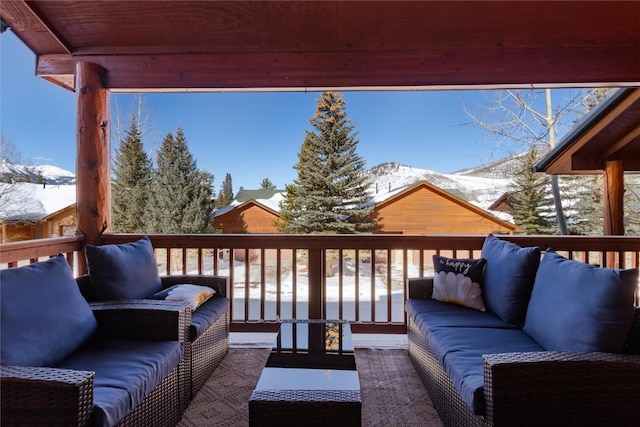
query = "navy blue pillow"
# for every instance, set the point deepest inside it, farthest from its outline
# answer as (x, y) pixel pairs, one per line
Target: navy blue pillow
(124, 271)
(580, 307)
(508, 278)
(43, 317)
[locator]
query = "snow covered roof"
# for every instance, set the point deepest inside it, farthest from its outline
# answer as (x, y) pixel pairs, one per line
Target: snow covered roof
(272, 203)
(27, 201)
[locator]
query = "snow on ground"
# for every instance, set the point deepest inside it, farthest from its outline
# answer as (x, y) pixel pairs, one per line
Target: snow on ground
(379, 294)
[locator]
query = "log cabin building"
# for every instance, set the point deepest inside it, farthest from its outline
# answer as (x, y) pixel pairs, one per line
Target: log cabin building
(420, 208)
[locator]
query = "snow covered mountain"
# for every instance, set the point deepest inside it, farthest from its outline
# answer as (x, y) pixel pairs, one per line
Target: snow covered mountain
(479, 190)
(481, 186)
(33, 192)
(35, 174)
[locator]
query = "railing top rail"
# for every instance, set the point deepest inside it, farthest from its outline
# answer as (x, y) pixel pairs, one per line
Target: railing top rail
(377, 241)
(28, 249)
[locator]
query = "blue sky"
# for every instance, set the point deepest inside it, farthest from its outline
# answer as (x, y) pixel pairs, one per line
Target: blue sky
(249, 135)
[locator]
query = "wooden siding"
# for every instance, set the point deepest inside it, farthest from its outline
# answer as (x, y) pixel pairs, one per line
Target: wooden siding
(61, 223)
(249, 217)
(58, 224)
(424, 208)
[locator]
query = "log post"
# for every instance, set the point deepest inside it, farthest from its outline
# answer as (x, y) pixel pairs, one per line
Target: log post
(613, 198)
(613, 183)
(93, 154)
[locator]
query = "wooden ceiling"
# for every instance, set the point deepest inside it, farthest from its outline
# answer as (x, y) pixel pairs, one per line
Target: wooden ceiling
(287, 45)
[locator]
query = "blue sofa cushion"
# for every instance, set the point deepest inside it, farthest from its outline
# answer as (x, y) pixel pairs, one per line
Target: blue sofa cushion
(124, 271)
(458, 281)
(508, 278)
(460, 351)
(580, 307)
(206, 315)
(430, 314)
(126, 372)
(43, 316)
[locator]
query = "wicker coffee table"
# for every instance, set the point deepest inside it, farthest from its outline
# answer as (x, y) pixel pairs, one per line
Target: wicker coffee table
(310, 378)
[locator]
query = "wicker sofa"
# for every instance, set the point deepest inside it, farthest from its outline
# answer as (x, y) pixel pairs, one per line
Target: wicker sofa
(65, 363)
(128, 272)
(542, 368)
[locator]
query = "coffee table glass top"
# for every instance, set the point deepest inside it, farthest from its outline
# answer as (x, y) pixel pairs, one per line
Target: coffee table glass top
(311, 355)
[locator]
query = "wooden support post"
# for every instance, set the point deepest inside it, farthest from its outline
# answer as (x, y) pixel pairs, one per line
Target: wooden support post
(316, 288)
(613, 198)
(93, 189)
(613, 183)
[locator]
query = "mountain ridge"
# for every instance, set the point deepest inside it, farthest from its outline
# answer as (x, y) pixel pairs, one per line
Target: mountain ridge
(480, 186)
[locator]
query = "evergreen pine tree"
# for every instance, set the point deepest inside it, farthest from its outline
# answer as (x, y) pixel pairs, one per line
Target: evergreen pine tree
(131, 182)
(266, 184)
(225, 195)
(181, 194)
(530, 198)
(331, 192)
(582, 196)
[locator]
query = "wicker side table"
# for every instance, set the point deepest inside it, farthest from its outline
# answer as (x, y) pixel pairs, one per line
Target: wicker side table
(310, 378)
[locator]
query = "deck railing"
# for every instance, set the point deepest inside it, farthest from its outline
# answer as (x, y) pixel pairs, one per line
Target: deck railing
(359, 278)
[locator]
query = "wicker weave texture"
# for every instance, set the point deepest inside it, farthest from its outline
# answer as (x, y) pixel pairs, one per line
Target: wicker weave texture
(162, 407)
(64, 397)
(305, 407)
(207, 351)
(575, 389)
(453, 411)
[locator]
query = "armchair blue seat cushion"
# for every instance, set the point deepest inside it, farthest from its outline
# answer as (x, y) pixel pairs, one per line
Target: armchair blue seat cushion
(43, 317)
(594, 306)
(125, 373)
(206, 315)
(508, 278)
(123, 271)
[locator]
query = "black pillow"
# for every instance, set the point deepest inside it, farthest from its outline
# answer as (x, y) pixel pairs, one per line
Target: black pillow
(459, 281)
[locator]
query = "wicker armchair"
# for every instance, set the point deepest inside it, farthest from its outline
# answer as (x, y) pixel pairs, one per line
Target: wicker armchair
(64, 397)
(204, 351)
(533, 388)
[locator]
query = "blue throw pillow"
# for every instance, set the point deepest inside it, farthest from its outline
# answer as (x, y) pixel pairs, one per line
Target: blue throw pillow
(508, 278)
(458, 281)
(580, 307)
(124, 271)
(44, 318)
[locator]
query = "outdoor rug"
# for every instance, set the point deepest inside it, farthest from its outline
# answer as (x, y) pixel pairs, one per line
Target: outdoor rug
(392, 392)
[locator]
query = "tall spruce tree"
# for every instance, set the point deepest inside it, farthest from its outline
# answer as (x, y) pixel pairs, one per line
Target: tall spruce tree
(331, 193)
(225, 195)
(530, 197)
(181, 194)
(131, 182)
